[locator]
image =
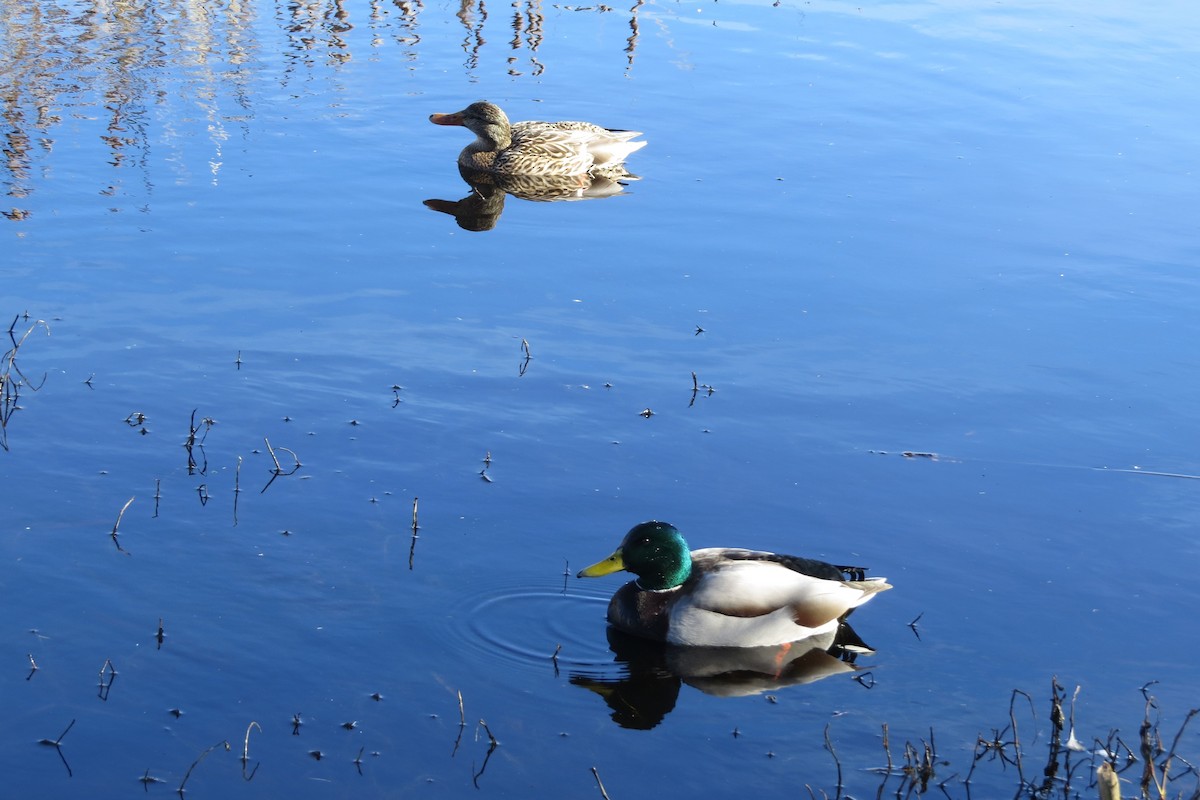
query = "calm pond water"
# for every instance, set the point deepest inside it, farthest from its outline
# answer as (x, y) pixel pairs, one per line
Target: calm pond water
(965, 232)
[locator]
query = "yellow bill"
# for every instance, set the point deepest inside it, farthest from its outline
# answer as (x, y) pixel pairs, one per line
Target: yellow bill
(614, 563)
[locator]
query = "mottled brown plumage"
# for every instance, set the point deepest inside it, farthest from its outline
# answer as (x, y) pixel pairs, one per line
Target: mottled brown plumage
(539, 148)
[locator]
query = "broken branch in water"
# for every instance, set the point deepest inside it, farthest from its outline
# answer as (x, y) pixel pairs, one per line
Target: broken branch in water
(237, 489)
(462, 724)
(528, 357)
(117, 524)
(492, 745)
(12, 379)
(58, 742)
(836, 761)
(599, 783)
(190, 443)
(246, 752)
(200, 758)
(108, 674)
(279, 470)
(57, 745)
(1152, 748)
(412, 547)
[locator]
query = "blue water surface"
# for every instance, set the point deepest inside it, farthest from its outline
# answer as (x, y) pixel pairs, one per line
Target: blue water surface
(937, 263)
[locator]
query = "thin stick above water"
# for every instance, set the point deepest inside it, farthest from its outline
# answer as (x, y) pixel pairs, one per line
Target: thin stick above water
(117, 524)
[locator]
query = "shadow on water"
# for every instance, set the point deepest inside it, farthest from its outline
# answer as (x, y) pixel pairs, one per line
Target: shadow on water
(651, 674)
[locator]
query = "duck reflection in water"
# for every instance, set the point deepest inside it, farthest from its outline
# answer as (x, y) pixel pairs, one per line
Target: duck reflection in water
(652, 673)
(481, 209)
(543, 161)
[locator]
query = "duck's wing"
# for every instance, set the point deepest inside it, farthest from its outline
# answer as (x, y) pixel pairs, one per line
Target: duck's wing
(749, 583)
(805, 566)
(577, 146)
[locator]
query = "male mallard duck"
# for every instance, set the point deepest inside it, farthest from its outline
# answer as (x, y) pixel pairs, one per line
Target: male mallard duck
(538, 148)
(725, 597)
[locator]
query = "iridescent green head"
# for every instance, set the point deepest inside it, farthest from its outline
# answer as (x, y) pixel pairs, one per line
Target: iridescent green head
(653, 551)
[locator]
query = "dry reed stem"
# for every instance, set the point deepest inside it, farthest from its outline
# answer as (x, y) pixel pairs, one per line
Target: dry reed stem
(599, 783)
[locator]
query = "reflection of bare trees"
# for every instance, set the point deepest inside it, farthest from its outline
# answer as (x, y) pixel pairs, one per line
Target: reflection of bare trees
(33, 49)
(407, 35)
(111, 64)
(317, 25)
(472, 14)
(527, 23)
(527, 31)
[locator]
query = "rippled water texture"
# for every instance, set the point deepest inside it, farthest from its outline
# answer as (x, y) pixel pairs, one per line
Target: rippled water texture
(304, 437)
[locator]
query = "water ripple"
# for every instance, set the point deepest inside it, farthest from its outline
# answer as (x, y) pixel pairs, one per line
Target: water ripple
(527, 625)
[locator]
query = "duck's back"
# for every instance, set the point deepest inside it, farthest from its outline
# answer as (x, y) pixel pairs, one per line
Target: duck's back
(564, 148)
(740, 598)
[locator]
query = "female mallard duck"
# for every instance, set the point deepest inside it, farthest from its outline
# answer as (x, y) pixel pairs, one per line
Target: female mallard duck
(538, 148)
(725, 597)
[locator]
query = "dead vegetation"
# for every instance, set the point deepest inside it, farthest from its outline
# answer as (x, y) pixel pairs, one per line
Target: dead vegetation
(1150, 769)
